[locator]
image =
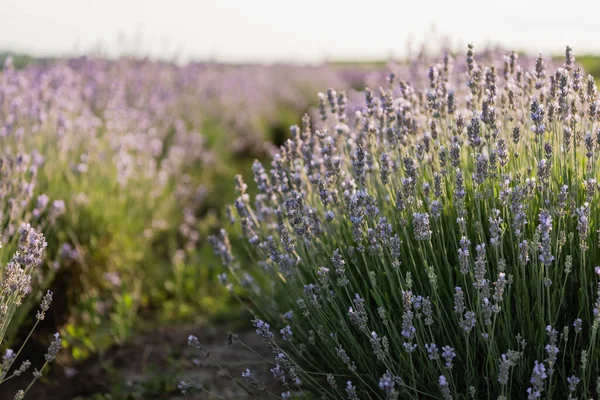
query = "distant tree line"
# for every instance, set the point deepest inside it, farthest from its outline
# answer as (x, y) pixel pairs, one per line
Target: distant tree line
(21, 60)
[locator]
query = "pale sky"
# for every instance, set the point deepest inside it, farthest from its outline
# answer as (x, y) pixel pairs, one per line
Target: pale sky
(300, 30)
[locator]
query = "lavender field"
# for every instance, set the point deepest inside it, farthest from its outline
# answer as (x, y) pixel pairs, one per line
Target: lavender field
(124, 167)
(420, 229)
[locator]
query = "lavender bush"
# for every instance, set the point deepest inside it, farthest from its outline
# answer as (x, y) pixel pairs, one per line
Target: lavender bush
(437, 239)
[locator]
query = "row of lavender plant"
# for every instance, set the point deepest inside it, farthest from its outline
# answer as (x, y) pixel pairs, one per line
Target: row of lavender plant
(249, 98)
(436, 239)
(112, 161)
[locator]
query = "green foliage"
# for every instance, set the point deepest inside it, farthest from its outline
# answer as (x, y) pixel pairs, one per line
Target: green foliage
(452, 252)
(591, 65)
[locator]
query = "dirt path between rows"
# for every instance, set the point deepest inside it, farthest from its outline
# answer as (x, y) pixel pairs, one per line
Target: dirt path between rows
(153, 363)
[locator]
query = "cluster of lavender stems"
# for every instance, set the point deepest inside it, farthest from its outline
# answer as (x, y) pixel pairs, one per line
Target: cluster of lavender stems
(434, 238)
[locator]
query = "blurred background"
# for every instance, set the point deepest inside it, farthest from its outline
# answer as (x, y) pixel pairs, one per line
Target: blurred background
(124, 123)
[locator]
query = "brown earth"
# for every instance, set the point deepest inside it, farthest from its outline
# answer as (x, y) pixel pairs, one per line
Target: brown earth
(153, 363)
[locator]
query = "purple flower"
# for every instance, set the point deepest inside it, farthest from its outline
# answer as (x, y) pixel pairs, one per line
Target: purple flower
(263, 330)
(286, 333)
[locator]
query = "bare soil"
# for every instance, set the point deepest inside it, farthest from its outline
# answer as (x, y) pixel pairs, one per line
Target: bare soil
(153, 363)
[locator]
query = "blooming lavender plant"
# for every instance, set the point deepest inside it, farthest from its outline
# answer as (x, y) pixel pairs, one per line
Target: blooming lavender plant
(15, 285)
(456, 222)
